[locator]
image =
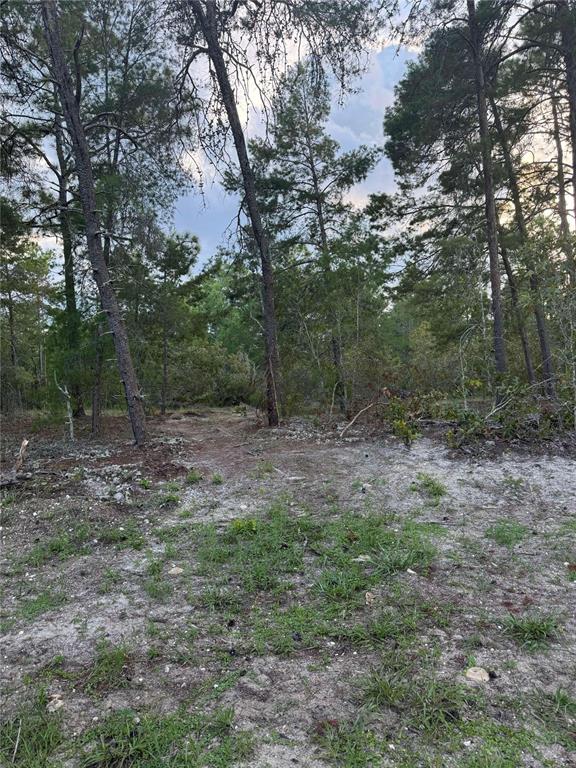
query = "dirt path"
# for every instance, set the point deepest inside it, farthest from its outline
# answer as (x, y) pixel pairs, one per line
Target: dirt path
(331, 592)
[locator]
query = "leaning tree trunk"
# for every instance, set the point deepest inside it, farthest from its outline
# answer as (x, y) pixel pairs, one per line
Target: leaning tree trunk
(545, 351)
(87, 195)
(207, 22)
(489, 199)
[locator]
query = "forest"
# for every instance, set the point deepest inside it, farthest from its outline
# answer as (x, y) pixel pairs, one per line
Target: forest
(288, 383)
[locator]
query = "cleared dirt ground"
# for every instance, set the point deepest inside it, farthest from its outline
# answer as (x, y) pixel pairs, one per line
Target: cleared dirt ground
(287, 597)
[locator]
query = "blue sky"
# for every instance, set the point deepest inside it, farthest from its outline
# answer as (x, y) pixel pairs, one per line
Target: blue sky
(357, 121)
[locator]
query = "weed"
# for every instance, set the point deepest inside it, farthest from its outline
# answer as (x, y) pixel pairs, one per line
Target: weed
(217, 479)
(507, 533)
(194, 477)
(169, 499)
(428, 486)
(220, 599)
(145, 483)
(342, 585)
(532, 631)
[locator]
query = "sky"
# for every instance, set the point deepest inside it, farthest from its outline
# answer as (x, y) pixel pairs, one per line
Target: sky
(357, 121)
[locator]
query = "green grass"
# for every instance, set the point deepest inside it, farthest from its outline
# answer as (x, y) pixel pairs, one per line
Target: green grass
(28, 739)
(558, 713)
(258, 553)
(109, 670)
(62, 546)
(507, 533)
(110, 579)
(349, 745)
(428, 486)
(126, 535)
(33, 607)
(179, 740)
(217, 479)
(155, 585)
(532, 631)
(33, 738)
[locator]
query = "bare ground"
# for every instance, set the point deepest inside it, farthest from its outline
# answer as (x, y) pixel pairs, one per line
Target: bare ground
(101, 551)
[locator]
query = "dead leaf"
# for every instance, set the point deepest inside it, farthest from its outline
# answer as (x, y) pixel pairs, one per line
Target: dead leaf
(369, 598)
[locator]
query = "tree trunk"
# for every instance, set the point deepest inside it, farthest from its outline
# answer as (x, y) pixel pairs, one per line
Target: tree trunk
(334, 335)
(562, 206)
(518, 315)
(490, 202)
(97, 386)
(87, 194)
(164, 370)
(208, 24)
(70, 308)
(545, 352)
(568, 38)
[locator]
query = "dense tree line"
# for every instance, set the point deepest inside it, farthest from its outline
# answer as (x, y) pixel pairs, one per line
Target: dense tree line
(462, 283)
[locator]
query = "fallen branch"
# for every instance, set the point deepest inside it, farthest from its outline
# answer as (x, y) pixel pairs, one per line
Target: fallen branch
(12, 477)
(347, 427)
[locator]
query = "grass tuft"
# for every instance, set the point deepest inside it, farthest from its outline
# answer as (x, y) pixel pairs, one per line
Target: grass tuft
(533, 631)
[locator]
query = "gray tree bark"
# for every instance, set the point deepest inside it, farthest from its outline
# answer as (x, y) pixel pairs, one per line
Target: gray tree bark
(87, 195)
(205, 15)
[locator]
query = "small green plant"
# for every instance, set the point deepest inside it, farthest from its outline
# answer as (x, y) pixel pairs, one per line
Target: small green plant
(405, 431)
(156, 587)
(244, 526)
(110, 669)
(145, 483)
(428, 486)
(169, 500)
(217, 479)
(507, 533)
(194, 477)
(532, 631)
(110, 579)
(384, 688)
